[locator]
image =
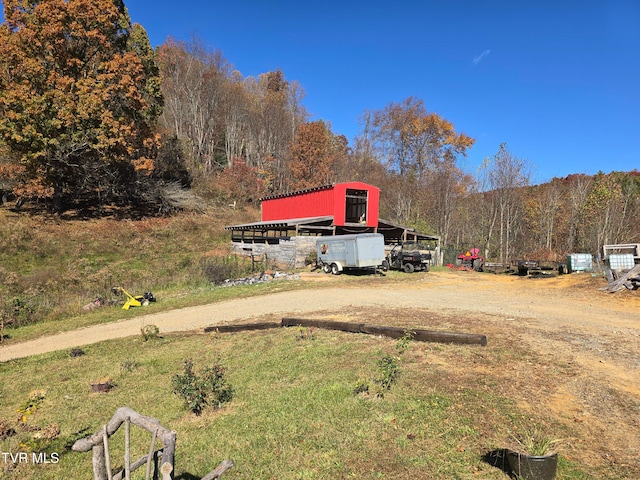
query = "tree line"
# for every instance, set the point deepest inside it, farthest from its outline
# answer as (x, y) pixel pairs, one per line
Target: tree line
(91, 114)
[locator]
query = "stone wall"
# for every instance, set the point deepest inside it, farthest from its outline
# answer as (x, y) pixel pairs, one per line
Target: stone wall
(288, 254)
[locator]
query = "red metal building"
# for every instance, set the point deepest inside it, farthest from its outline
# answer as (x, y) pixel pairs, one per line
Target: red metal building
(338, 209)
(290, 223)
(352, 203)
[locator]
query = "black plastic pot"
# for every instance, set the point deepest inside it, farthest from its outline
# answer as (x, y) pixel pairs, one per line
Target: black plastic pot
(532, 467)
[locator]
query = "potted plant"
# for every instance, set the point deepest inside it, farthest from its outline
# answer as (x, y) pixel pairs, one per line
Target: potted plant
(533, 456)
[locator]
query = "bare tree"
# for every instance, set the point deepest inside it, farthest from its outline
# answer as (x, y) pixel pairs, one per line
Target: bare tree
(507, 176)
(195, 85)
(274, 114)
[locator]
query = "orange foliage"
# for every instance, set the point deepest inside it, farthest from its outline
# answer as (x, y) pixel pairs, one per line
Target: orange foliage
(71, 91)
(314, 155)
(240, 182)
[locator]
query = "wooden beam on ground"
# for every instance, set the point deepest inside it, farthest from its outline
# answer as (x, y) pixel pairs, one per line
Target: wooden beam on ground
(328, 324)
(242, 327)
(392, 332)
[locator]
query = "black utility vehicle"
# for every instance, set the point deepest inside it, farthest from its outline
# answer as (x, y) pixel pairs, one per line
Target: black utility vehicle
(409, 257)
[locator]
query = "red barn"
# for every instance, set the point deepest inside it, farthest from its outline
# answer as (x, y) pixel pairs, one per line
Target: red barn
(348, 203)
(291, 222)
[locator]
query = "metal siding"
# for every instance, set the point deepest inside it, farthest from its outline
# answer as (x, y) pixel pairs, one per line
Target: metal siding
(340, 203)
(330, 201)
(309, 204)
(373, 206)
(352, 251)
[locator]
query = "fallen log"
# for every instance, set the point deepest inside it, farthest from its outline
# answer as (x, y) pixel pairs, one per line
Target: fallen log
(392, 332)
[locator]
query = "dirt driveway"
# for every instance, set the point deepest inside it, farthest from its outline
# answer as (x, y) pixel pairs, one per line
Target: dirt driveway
(586, 342)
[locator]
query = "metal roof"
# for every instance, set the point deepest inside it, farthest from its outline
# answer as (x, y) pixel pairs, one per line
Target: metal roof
(281, 224)
(391, 231)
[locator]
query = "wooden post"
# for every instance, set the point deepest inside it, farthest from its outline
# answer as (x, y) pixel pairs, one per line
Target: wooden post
(127, 449)
(150, 456)
(168, 454)
(99, 467)
(107, 458)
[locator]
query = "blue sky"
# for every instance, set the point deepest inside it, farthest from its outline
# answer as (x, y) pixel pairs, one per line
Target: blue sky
(558, 81)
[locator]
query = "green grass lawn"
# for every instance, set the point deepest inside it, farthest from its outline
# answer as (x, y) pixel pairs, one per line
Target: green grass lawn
(294, 414)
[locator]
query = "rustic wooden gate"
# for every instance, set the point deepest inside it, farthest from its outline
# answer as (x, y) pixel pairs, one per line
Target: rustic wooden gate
(99, 444)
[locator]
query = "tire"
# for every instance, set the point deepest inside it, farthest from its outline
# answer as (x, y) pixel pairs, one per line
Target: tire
(334, 269)
(385, 265)
(408, 268)
(326, 268)
(426, 268)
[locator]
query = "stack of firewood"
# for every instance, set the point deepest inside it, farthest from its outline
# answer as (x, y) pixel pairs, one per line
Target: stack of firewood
(629, 280)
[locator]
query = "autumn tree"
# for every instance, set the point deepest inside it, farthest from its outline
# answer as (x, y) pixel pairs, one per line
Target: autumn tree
(413, 140)
(608, 210)
(315, 153)
(79, 97)
(420, 150)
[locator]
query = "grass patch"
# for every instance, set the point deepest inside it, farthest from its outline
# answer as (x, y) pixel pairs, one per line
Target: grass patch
(294, 413)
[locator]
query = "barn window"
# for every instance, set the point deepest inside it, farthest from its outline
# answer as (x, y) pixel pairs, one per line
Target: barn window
(356, 203)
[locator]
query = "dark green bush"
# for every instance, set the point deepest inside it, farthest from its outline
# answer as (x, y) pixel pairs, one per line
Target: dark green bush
(209, 388)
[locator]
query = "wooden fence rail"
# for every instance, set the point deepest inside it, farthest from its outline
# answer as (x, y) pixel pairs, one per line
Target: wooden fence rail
(98, 443)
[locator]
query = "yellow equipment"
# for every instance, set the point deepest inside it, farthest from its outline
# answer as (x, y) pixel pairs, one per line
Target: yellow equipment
(134, 301)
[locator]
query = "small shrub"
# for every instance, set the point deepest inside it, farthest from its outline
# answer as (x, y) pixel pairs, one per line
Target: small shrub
(403, 343)
(389, 372)
(29, 407)
(361, 388)
(218, 269)
(306, 333)
(19, 312)
(532, 441)
(128, 365)
(311, 259)
(214, 381)
(149, 332)
(210, 388)
(6, 430)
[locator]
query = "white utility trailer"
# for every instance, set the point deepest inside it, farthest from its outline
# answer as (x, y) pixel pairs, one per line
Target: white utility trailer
(342, 252)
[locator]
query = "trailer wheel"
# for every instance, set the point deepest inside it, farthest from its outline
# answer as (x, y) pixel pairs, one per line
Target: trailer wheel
(334, 269)
(408, 268)
(326, 268)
